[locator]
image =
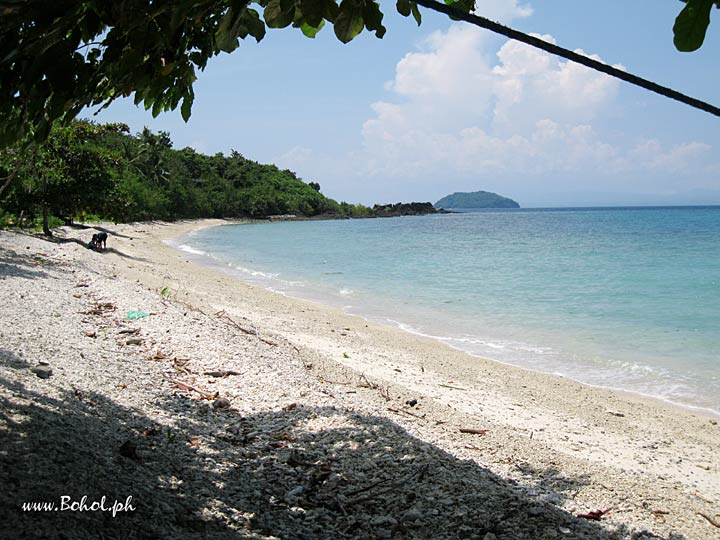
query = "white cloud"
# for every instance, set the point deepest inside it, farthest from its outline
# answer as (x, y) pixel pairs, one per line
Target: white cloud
(674, 159)
(467, 113)
(525, 115)
(503, 11)
(458, 112)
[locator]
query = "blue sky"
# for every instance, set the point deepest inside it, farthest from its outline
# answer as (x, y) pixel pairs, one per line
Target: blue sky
(448, 107)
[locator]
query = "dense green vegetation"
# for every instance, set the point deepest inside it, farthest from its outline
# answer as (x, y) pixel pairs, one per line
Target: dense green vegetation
(476, 199)
(86, 169)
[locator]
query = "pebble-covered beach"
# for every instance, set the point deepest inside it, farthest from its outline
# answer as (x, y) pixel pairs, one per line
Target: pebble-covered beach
(198, 406)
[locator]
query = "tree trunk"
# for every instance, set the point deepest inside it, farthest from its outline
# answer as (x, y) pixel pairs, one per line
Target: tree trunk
(46, 225)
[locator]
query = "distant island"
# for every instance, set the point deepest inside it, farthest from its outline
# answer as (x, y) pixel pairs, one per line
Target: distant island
(476, 199)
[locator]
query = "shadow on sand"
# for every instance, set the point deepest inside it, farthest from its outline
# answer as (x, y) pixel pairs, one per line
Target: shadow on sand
(58, 239)
(295, 473)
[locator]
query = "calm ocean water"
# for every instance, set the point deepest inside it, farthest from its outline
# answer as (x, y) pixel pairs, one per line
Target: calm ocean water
(626, 298)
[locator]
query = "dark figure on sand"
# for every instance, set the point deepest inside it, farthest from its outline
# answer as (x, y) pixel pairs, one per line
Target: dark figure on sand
(99, 241)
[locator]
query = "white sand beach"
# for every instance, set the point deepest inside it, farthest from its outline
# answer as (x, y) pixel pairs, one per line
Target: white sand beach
(230, 411)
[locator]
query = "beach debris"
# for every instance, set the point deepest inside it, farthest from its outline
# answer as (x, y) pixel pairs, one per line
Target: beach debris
(221, 403)
(128, 449)
(159, 355)
(151, 431)
(42, 371)
(474, 431)
(136, 314)
(134, 341)
(222, 373)
(346, 355)
(452, 387)
(401, 411)
(81, 396)
(411, 402)
(194, 440)
(564, 530)
(129, 331)
(364, 382)
(180, 385)
(594, 515)
(295, 492)
(713, 422)
(419, 473)
(711, 521)
(659, 515)
(90, 333)
(100, 308)
(288, 408)
(383, 521)
(615, 413)
(250, 331)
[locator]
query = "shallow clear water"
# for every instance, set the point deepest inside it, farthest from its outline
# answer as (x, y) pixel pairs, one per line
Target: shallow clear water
(624, 298)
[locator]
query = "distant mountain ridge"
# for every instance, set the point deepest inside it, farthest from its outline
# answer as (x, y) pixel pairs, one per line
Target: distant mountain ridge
(476, 199)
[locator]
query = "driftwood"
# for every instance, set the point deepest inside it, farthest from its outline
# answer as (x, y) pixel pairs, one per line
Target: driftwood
(187, 386)
(420, 472)
(129, 331)
(474, 431)
(710, 520)
(453, 387)
(594, 515)
(401, 411)
(223, 373)
(250, 331)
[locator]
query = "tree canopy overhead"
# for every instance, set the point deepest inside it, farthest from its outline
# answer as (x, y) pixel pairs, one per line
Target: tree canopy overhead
(57, 58)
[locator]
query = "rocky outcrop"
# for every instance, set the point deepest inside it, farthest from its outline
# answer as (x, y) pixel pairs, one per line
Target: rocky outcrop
(405, 209)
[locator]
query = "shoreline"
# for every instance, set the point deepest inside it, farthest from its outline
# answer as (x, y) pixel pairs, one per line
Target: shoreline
(325, 383)
(200, 256)
(467, 365)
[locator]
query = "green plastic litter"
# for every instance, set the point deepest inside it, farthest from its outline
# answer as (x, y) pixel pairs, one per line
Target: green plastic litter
(136, 314)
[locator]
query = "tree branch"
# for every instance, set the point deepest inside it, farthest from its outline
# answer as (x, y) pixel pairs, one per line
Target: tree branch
(538, 43)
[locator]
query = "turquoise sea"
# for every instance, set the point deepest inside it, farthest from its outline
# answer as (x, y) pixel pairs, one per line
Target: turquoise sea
(625, 298)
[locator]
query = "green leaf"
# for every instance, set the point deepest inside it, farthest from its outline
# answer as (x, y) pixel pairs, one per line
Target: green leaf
(255, 26)
(403, 7)
(311, 31)
(331, 11)
(278, 15)
(373, 18)
(466, 6)
(349, 21)
(157, 108)
(313, 11)
(226, 35)
(186, 107)
(416, 13)
(691, 25)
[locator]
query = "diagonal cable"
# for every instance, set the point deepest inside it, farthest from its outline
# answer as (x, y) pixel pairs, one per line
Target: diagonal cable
(482, 22)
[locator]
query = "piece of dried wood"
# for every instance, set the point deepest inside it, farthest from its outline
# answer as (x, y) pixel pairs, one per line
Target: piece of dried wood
(221, 373)
(710, 520)
(452, 387)
(474, 431)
